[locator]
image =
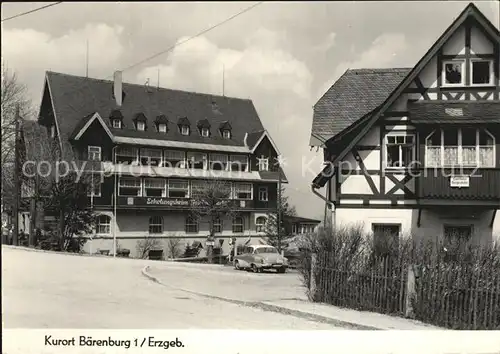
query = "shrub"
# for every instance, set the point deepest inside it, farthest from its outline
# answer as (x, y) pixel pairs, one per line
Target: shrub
(456, 286)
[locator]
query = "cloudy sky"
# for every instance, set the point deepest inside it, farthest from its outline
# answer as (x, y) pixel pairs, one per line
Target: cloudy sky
(281, 55)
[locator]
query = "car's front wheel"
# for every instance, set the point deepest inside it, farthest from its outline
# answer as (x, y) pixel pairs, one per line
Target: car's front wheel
(237, 265)
(254, 268)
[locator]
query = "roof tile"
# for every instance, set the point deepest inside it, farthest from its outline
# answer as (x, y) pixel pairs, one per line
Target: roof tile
(356, 93)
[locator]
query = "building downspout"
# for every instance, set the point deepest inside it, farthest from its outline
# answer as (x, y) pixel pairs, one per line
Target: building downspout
(330, 205)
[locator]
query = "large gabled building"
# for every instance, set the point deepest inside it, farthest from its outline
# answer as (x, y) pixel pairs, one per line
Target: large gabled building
(158, 145)
(417, 150)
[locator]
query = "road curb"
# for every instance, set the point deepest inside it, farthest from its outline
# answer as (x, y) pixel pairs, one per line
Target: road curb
(267, 307)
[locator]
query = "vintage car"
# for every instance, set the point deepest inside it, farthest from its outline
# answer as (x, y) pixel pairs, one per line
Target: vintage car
(260, 257)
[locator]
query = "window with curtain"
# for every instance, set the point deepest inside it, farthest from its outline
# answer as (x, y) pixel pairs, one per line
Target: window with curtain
(191, 225)
(154, 187)
(238, 224)
(468, 147)
(155, 224)
(260, 224)
(178, 188)
(103, 225)
(129, 187)
(174, 158)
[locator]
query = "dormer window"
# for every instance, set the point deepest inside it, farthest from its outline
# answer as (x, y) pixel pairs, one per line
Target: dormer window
(184, 130)
(226, 134)
(117, 123)
(161, 122)
(140, 121)
(205, 132)
(162, 128)
(141, 126)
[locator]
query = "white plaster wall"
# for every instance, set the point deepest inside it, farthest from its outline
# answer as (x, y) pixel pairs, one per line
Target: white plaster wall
(371, 159)
(428, 75)
(456, 44)
(357, 184)
(131, 228)
(365, 216)
(479, 44)
(432, 223)
(496, 227)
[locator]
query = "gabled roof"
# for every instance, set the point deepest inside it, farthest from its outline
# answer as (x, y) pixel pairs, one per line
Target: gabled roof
(356, 93)
(259, 140)
(470, 12)
(203, 123)
(75, 98)
(86, 122)
(252, 138)
(183, 121)
(140, 117)
(161, 119)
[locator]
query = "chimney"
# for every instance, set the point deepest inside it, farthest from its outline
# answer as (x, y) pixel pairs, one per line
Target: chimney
(117, 88)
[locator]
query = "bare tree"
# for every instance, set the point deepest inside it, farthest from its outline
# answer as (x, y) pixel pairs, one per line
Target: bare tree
(211, 202)
(14, 94)
(174, 249)
(145, 245)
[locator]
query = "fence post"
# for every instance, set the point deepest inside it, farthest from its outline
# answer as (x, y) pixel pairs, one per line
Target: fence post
(410, 292)
(312, 277)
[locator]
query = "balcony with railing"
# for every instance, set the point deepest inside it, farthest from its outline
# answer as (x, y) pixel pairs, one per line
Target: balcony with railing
(459, 173)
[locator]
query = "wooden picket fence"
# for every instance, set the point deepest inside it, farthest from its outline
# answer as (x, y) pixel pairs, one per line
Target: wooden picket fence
(364, 286)
(457, 297)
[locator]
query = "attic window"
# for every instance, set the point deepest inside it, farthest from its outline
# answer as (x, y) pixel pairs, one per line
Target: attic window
(482, 72)
(184, 130)
(205, 132)
(453, 73)
(226, 134)
(117, 123)
(141, 126)
(162, 127)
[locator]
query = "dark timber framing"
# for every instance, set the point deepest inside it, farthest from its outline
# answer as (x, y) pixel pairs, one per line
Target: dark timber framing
(362, 166)
(468, 30)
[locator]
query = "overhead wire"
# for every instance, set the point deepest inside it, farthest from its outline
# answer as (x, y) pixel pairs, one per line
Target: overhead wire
(31, 11)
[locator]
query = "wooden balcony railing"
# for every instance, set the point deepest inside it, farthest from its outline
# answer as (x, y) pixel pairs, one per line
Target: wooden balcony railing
(461, 184)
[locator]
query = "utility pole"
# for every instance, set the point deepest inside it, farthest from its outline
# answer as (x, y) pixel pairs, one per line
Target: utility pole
(278, 228)
(15, 217)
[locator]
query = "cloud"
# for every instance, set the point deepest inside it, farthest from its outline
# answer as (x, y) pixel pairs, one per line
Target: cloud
(387, 50)
(327, 44)
(277, 82)
(32, 52)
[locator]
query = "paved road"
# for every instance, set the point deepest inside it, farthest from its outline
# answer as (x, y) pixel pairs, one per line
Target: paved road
(44, 290)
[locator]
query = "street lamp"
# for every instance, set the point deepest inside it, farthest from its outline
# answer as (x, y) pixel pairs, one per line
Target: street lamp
(115, 190)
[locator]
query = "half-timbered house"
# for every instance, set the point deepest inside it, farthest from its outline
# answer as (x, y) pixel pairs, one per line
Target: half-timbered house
(417, 150)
